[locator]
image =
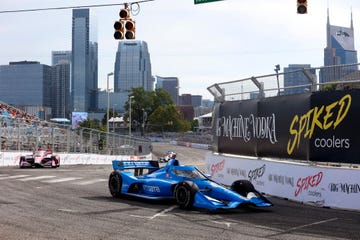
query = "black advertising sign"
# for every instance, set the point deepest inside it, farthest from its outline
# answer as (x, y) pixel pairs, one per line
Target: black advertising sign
(282, 125)
(334, 134)
(234, 127)
(320, 126)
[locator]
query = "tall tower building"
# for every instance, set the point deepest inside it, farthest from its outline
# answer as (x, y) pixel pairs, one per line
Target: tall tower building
(170, 85)
(340, 49)
(60, 90)
(84, 71)
(61, 65)
(132, 67)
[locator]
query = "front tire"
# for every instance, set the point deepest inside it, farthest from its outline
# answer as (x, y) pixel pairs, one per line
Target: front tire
(115, 183)
(243, 187)
(184, 194)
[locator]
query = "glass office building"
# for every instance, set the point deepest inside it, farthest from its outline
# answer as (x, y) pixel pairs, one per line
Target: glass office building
(340, 49)
(170, 85)
(61, 64)
(60, 56)
(60, 101)
(196, 100)
(25, 83)
(84, 76)
(132, 67)
(293, 77)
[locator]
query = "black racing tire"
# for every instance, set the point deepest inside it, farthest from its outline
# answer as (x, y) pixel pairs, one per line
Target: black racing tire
(184, 194)
(243, 187)
(115, 184)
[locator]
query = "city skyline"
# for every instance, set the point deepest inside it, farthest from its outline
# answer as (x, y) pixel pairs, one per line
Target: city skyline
(186, 46)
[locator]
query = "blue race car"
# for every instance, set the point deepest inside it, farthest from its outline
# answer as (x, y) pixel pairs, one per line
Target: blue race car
(186, 184)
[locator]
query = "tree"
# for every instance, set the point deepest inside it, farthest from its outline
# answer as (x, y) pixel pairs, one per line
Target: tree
(92, 123)
(194, 125)
(111, 114)
(168, 119)
(144, 103)
(329, 87)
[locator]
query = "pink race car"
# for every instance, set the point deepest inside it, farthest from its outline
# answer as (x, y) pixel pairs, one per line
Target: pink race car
(40, 158)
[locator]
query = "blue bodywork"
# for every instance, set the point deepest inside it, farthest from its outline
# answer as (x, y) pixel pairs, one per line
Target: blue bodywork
(160, 183)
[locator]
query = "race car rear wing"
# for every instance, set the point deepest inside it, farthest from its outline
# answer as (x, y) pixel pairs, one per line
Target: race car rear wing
(128, 164)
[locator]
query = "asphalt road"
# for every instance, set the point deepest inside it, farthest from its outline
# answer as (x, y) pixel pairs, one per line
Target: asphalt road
(73, 202)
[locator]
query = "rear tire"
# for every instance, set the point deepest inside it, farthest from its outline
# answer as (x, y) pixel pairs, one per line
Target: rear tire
(115, 183)
(184, 194)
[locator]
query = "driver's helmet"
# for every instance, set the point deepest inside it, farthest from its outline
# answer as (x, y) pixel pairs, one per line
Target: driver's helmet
(172, 155)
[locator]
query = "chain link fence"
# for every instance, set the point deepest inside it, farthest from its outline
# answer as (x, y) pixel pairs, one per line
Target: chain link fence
(295, 79)
(20, 135)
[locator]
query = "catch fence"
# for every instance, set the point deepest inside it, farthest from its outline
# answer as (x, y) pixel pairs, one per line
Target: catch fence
(20, 135)
(295, 79)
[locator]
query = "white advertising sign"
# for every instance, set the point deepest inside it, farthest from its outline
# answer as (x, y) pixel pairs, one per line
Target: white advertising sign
(321, 186)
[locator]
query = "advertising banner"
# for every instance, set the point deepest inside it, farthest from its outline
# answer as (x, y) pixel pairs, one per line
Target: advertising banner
(319, 126)
(78, 117)
(279, 125)
(315, 185)
(334, 134)
(235, 127)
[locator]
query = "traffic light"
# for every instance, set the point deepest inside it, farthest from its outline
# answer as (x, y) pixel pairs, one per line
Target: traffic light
(119, 30)
(125, 27)
(301, 6)
(130, 29)
(124, 14)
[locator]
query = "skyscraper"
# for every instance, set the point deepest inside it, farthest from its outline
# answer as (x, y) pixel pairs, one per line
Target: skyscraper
(185, 99)
(84, 81)
(60, 102)
(132, 67)
(340, 49)
(170, 85)
(26, 85)
(293, 78)
(60, 56)
(196, 100)
(60, 90)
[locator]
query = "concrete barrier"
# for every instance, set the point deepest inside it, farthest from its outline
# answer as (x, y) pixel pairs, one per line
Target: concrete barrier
(324, 186)
(12, 158)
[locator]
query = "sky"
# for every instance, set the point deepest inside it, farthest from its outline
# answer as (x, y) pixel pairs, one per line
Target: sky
(200, 44)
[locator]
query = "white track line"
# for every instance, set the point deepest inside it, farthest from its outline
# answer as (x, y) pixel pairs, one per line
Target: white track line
(13, 177)
(59, 180)
(91, 181)
(160, 214)
(36, 178)
(301, 226)
(227, 224)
